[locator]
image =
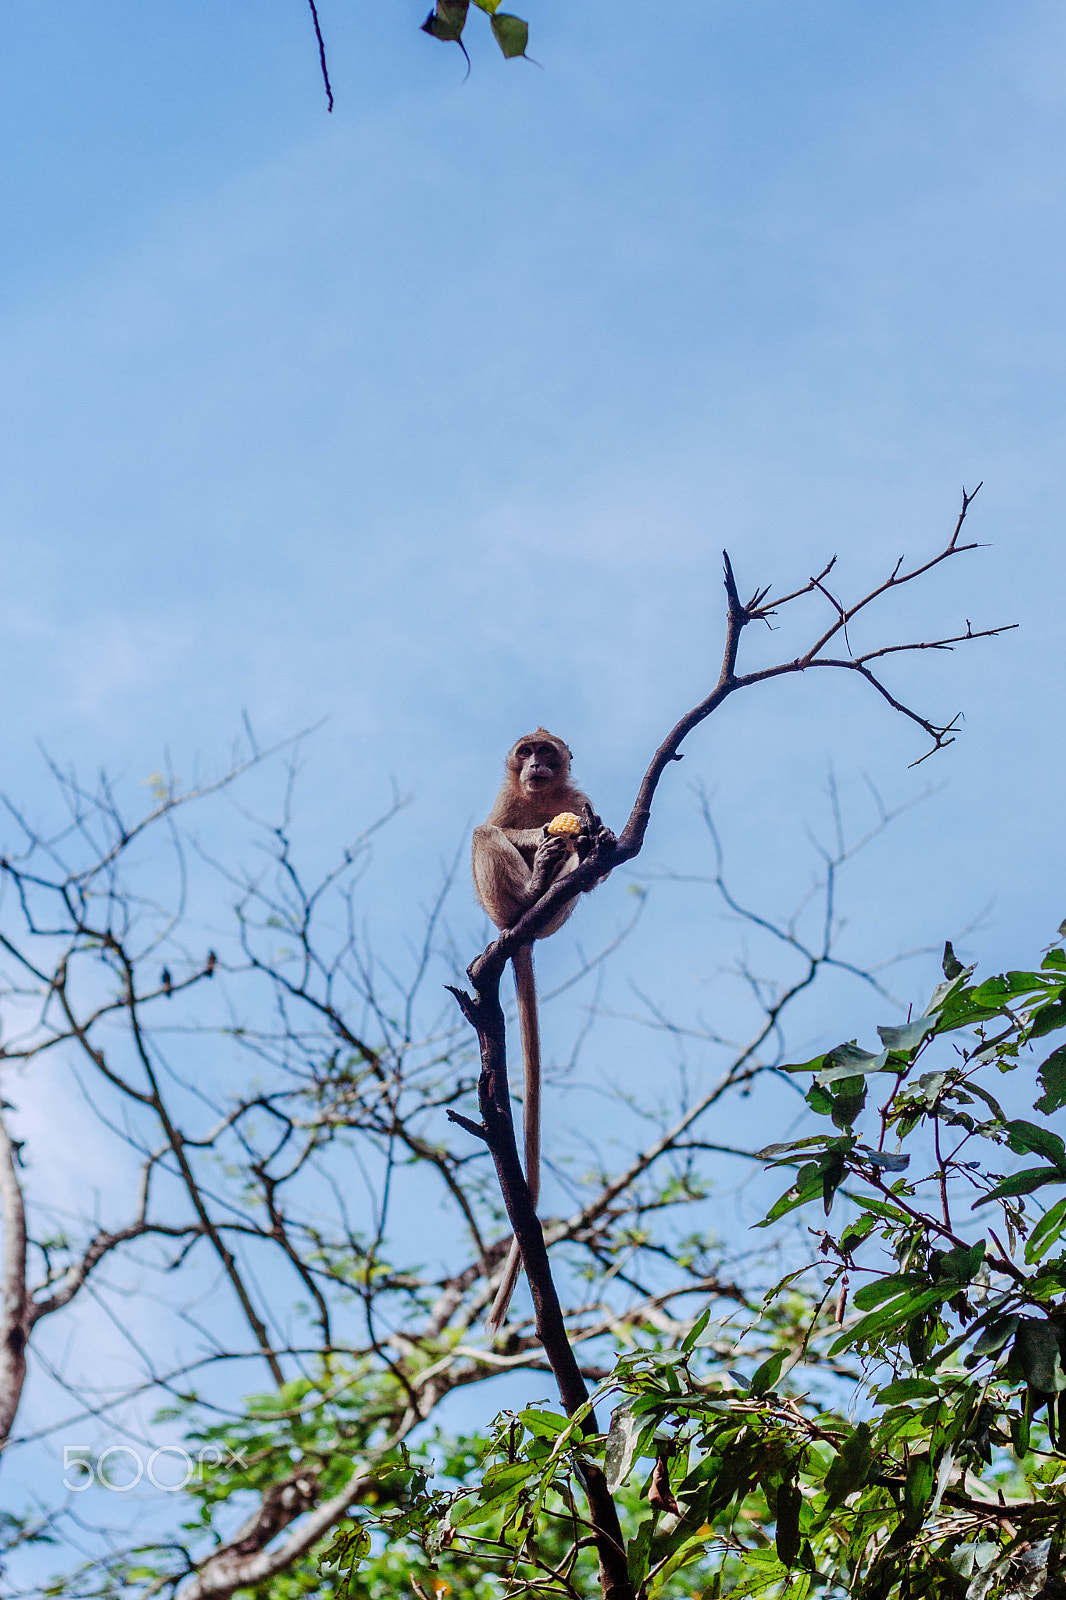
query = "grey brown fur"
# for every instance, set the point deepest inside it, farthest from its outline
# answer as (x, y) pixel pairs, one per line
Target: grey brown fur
(515, 861)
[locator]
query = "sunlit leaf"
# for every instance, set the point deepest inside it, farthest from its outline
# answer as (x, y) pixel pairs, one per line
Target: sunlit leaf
(945, 991)
(689, 1341)
(850, 1061)
(622, 1439)
(544, 1424)
(902, 1040)
(1046, 1232)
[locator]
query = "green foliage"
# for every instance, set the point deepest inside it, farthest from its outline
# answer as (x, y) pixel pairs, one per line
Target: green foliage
(892, 1423)
(448, 19)
(904, 1440)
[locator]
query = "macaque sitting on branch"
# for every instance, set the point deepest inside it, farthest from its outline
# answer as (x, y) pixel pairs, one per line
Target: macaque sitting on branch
(533, 835)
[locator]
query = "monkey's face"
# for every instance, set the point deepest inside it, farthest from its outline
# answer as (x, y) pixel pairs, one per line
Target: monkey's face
(539, 764)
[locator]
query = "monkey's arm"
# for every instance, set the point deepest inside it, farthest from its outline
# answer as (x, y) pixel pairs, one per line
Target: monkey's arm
(526, 840)
(506, 883)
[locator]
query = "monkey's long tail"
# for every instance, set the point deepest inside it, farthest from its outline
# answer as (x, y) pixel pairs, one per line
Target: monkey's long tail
(528, 1021)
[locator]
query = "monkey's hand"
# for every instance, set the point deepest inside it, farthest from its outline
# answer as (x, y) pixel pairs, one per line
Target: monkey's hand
(593, 833)
(552, 851)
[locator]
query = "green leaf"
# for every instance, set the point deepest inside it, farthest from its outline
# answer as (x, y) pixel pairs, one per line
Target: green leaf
(623, 1437)
(1046, 1233)
(1047, 1019)
(688, 1342)
(1021, 1183)
(904, 1308)
(902, 1040)
(690, 1549)
(765, 1376)
(917, 1491)
(1052, 1075)
(771, 1152)
(819, 1100)
(488, 5)
(544, 1424)
(848, 1101)
(856, 1231)
(849, 1470)
(1024, 982)
(1026, 1136)
(808, 1184)
(965, 1007)
(996, 1334)
(907, 1389)
(872, 1294)
(946, 991)
(512, 34)
(347, 1548)
(1036, 1346)
(638, 1547)
(504, 1477)
(961, 1263)
(815, 1065)
(787, 1534)
(850, 1061)
(447, 20)
(952, 967)
(833, 1170)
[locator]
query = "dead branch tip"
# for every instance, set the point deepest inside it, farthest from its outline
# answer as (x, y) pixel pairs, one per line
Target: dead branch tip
(478, 1129)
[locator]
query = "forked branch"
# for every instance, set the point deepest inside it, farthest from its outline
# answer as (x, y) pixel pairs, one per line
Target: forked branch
(484, 1012)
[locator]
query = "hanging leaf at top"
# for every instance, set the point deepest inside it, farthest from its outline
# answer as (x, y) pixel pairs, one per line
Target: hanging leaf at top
(512, 34)
(446, 21)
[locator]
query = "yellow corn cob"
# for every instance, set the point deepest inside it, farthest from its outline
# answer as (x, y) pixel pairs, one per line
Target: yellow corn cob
(565, 822)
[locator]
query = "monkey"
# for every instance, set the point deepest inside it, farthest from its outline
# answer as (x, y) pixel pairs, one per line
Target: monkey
(516, 861)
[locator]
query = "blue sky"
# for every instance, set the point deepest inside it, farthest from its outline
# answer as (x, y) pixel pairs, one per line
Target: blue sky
(431, 419)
